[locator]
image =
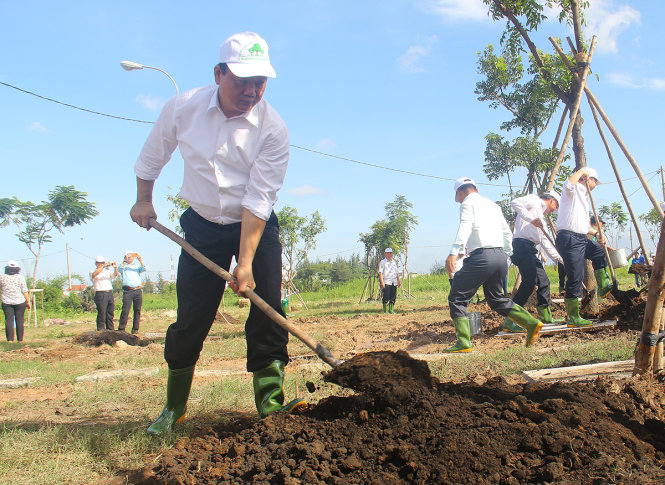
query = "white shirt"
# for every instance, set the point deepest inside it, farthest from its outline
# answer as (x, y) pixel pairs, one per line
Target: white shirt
(482, 225)
(389, 271)
(574, 209)
(102, 282)
(13, 286)
(230, 163)
(529, 208)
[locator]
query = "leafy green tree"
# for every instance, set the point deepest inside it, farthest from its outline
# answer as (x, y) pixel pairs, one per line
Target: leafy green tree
(65, 207)
(652, 222)
(298, 236)
(616, 220)
(180, 205)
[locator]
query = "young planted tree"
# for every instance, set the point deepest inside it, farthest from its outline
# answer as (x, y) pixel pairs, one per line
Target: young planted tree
(65, 207)
(616, 220)
(298, 237)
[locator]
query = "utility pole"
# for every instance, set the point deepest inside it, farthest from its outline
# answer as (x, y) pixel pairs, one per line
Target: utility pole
(662, 180)
(69, 274)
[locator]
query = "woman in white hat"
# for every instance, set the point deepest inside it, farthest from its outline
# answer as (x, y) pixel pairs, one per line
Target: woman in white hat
(15, 300)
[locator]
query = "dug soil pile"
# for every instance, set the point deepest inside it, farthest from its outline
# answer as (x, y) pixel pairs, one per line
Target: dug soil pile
(404, 426)
(107, 337)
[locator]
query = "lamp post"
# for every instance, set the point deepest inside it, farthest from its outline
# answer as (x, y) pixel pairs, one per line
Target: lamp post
(131, 66)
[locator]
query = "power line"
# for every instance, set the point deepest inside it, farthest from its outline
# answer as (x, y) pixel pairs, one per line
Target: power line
(367, 164)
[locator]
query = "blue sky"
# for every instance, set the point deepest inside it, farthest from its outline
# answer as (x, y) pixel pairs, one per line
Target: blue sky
(388, 83)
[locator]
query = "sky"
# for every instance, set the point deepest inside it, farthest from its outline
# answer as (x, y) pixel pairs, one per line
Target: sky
(366, 84)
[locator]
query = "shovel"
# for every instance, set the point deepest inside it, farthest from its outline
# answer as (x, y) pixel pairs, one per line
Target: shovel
(275, 316)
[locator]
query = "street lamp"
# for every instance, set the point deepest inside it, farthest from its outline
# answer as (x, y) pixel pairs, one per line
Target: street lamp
(130, 66)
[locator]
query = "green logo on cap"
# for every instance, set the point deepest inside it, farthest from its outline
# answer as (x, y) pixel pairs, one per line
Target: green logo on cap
(256, 50)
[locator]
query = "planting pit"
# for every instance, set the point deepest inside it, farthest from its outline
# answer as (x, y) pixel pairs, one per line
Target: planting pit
(404, 426)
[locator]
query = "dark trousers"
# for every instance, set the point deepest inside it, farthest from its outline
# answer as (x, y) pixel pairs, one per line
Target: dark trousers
(574, 248)
(200, 292)
(486, 267)
(105, 309)
(131, 298)
(525, 257)
(562, 275)
(14, 313)
(389, 293)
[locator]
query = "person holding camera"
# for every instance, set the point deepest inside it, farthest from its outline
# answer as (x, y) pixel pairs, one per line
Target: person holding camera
(101, 284)
(132, 294)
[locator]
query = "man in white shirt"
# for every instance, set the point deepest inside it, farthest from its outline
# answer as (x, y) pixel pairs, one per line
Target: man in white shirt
(484, 233)
(573, 245)
(236, 151)
(389, 281)
(102, 284)
(528, 234)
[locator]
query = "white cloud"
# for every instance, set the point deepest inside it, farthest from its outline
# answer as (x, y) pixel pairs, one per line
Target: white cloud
(628, 81)
(150, 102)
(457, 9)
(306, 190)
(607, 22)
(409, 60)
(37, 127)
(326, 145)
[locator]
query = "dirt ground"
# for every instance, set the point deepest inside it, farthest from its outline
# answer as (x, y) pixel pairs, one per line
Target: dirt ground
(405, 426)
(402, 425)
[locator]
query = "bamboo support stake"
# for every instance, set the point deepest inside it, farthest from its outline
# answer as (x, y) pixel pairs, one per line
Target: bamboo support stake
(647, 345)
(573, 114)
(600, 230)
(614, 133)
(618, 177)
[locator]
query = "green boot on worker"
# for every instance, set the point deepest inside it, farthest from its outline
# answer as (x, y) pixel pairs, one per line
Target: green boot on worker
(573, 318)
(604, 283)
(522, 318)
(269, 390)
(178, 385)
(390, 307)
(545, 315)
(509, 326)
(385, 307)
(463, 331)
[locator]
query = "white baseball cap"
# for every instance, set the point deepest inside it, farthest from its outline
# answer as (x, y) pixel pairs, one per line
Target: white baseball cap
(12, 264)
(127, 253)
(388, 250)
(555, 195)
(463, 181)
(100, 259)
(246, 54)
(593, 173)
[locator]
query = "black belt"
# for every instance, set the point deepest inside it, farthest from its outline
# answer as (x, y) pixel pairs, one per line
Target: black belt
(128, 288)
(480, 250)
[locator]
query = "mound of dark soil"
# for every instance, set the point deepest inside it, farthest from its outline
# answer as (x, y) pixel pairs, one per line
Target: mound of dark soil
(108, 337)
(564, 433)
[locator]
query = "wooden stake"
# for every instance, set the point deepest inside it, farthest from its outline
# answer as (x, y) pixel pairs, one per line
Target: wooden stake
(653, 312)
(573, 114)
(616, 136)
(600, 230)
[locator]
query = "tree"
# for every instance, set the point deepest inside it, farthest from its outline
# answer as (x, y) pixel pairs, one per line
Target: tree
(615, 219)
(652, 222)
(65, 207)
(298, 236)
(180, 205)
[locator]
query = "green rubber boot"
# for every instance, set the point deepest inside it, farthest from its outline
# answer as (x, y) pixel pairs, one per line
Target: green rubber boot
(573, 318)
(385, 307)
(269, 390)
(522, 318)
(463, 331)
(545, 315)
(603, 282)
(178, 385)
(391, 306)
(509, 326)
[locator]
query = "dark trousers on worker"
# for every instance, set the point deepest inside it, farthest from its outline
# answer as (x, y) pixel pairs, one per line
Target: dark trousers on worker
(131, 297)
(574, 248)
(105, 309)
(561, 269)
(486, 267)
(200, 292)
(525, 257)
(389, 293)
(14, 313)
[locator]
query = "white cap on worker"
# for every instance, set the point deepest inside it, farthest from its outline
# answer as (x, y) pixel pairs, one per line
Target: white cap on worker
(463, 181)
(12, 264)
(388, 250)
(593, 173)
(246, 54)
(100, 259)
(127, 253)
(554, 194)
